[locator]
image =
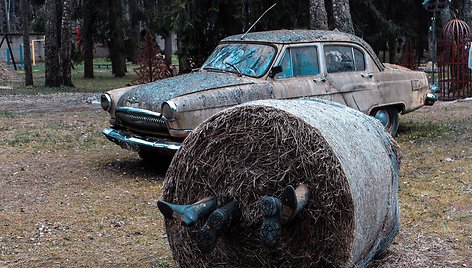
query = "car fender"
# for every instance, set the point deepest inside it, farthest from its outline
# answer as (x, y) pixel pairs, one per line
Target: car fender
(192, 109)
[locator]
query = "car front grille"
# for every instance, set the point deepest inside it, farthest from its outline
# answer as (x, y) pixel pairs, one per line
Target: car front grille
(141, 122)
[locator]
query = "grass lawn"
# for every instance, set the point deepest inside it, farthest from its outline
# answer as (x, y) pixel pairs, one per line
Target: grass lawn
(103, 81)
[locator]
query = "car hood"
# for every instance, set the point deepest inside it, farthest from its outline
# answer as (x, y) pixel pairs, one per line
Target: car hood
(152, 95)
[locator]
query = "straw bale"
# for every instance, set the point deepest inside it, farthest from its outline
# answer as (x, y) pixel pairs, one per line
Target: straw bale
(347, 160)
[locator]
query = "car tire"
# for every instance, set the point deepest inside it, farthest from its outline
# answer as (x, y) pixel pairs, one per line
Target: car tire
(389, 118)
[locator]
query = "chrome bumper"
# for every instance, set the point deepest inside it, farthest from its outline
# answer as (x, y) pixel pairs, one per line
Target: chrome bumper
(137, 143)
(430, 99)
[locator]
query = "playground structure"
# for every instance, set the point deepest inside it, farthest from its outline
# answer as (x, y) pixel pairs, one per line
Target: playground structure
(11, 49)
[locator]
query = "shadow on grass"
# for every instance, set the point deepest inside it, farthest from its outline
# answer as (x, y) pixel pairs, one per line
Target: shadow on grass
(137, 167)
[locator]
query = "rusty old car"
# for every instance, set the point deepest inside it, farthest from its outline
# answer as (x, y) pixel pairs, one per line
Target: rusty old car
(285, 64)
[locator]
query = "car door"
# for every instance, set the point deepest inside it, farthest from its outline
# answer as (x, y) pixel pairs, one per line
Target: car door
(300, 76)
(351, 75)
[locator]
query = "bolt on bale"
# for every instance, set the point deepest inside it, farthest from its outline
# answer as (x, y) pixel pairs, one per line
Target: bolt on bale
(347, 160)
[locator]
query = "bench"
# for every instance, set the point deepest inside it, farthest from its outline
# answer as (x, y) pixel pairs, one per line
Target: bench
(100, 65)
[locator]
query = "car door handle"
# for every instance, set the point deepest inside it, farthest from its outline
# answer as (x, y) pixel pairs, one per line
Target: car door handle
(320, 80)
(367, 75)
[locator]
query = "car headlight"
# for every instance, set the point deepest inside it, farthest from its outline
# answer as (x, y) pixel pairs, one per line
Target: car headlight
(168, 110)
(105, 101)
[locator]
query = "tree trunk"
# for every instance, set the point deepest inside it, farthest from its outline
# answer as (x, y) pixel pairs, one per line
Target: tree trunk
(183, 58)
(116, 43)
(51, 47)
(7, 16)
(168, 46)
(66, 45)
(2, 17)
(25, 15)
(318, 15)
(391, 50)
(342, 16)
(134, 30)
(468, 12)
(86, 37)
(445, 16)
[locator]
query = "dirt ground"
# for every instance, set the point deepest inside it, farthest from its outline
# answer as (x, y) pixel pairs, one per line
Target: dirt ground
(70, 198)
(7, 74)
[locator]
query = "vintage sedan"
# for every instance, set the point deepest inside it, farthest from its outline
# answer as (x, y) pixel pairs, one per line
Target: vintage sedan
(155, 118)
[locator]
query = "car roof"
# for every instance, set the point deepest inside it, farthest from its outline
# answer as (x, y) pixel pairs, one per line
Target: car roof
(302, 36)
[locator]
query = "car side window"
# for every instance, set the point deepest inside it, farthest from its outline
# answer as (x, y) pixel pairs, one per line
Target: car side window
(299, 61)
(343, 59)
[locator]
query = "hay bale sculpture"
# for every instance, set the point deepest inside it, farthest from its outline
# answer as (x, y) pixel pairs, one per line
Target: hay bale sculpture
(294, 183)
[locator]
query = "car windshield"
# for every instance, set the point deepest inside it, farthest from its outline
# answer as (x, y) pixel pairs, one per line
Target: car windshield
(244, 59)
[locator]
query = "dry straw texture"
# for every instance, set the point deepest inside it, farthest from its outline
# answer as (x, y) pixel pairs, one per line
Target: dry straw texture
(246, 152)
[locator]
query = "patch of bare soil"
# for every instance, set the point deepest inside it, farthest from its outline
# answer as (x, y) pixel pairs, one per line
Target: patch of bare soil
(71, 198)
(6, 74)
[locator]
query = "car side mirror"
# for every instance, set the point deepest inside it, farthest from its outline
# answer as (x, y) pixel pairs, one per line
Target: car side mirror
(275, 70)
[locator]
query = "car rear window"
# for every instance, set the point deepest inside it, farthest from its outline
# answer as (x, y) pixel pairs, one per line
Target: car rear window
(343, 59)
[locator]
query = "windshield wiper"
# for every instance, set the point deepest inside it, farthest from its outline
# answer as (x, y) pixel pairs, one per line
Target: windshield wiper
(234, 67)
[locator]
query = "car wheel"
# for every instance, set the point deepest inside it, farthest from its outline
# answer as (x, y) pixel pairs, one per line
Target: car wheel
(389, 118)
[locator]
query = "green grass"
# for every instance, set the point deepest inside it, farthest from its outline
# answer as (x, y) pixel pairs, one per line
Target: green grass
(103, 81)
(425, 129)
(38, 132)
(7, 114)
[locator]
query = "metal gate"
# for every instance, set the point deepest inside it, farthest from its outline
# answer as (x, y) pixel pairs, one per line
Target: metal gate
(455, 77)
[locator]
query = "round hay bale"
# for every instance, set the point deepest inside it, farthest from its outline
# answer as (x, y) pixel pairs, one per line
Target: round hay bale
(347, 160)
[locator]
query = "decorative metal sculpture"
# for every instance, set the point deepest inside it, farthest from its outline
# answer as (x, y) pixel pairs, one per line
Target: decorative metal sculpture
(455, 78)
(152, 65)
(434, 6)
